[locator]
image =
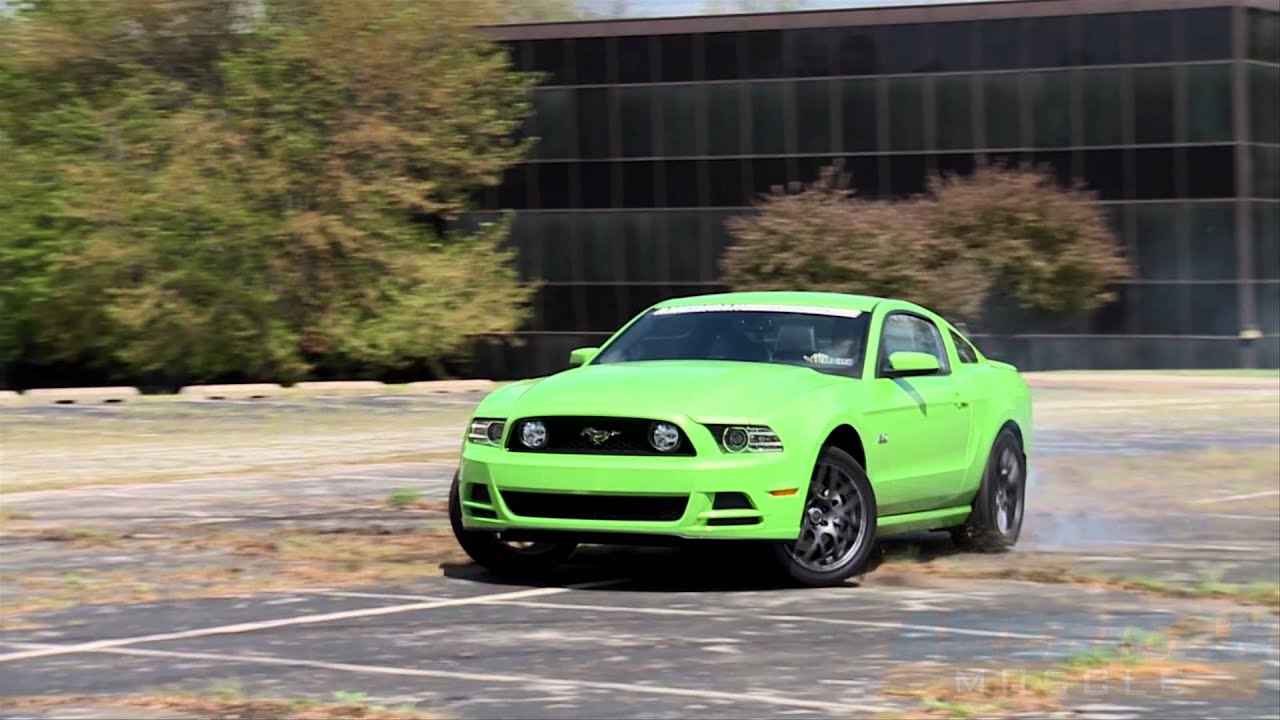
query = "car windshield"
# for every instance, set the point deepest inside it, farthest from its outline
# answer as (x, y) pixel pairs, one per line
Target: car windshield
(827, 340)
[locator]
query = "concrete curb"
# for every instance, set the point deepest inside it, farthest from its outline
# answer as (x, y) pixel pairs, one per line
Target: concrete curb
(242, 391)
(340, 387)
(80, 396)
(451, 386)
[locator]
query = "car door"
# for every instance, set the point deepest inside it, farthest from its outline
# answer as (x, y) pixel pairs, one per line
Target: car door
(920, 424)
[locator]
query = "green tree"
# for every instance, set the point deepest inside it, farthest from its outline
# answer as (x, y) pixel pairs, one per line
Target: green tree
(1016, 229)
(247, 188)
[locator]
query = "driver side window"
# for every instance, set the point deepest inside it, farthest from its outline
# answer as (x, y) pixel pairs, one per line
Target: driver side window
(903, 332)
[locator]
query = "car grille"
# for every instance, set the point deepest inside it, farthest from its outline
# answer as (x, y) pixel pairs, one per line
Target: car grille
(566, 434)
(565, 506)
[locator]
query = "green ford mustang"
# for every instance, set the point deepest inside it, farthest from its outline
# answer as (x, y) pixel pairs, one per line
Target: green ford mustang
(815, 422)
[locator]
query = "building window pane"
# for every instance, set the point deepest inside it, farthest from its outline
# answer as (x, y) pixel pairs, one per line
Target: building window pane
(1215, 309)
(590, 61)
(905, 49)
(906, 175)
(906, 113)
(953, 47)
(1209, 103)
(635, 114)
(809, 53)
(768, 127)
(813, 115)
(601, 259)
(998, 43)
(1158, 309)
(1211, 171)
(1155, 173)
(554, 237)
(726, 183)
(1155, 237)
(1206, 33)
(1104, 39)
(1266, 171)
(597, 185)
(679, 119)
(1104, 173)
(552, 185)
(1264, 103)
(681, 180)
(1211, 241)
(593, 123)
(1153, 105)
(690, 259)
(640, 249)
(767, 174)
(637, 184)
(633, 59)
(764, 53)
(721, 51)
(1152, 40)
(1103, 112)
(1263, 32)
(952, 97)
(1267, 301)
(676, 58)
(856, 53)
(1049, 95)
(552, 123)
(724, 118)
(548, 57)
(858, 119)
(1049, 41)
(1000, 108)
(1266, 240)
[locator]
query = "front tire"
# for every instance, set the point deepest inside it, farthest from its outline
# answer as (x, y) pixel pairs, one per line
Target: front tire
(500, 557)
(995, 522)
(838, 525)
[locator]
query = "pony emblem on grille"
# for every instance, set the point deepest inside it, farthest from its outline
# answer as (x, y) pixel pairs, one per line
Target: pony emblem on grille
(598, 437)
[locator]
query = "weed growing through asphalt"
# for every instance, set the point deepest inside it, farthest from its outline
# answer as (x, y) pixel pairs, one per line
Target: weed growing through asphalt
(404, 497)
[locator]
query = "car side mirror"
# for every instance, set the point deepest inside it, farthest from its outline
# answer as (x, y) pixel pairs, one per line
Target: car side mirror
(905, 363)
(582, 356)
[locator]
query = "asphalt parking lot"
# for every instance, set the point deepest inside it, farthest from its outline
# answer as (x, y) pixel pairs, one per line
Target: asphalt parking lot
(1153, 503)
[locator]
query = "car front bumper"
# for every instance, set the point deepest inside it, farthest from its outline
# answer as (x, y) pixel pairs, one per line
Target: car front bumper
(761, 495)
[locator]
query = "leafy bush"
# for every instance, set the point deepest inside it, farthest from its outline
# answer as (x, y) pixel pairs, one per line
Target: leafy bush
(1049, 247)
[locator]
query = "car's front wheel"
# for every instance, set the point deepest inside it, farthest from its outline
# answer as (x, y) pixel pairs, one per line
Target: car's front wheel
(502, 557)
(838, 525)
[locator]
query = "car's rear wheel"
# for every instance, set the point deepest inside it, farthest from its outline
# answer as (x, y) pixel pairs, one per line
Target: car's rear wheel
(838, 524)
(995, 522)
(503, 557)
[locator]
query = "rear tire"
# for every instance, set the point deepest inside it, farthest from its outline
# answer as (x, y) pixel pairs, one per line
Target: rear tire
(490, 551)
(995, 522)
(837, 527)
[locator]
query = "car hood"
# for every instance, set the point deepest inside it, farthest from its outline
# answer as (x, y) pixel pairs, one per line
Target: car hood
(707, 391)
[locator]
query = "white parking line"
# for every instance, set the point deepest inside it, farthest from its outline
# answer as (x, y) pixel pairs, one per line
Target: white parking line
(760, 698)
(297, 620)
(882, 625)
(1233, 498)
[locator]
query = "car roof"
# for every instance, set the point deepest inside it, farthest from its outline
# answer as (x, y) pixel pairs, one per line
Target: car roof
(840, 301)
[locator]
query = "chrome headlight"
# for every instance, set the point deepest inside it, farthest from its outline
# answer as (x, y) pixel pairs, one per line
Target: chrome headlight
(486, 431)
(746, 438)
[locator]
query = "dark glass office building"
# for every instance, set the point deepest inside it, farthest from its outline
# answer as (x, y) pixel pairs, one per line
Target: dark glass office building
(654, 131)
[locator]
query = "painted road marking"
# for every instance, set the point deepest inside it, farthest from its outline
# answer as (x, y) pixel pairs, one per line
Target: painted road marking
(748, 697)
(1233, 498)
(247, 627)
(883, 625)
